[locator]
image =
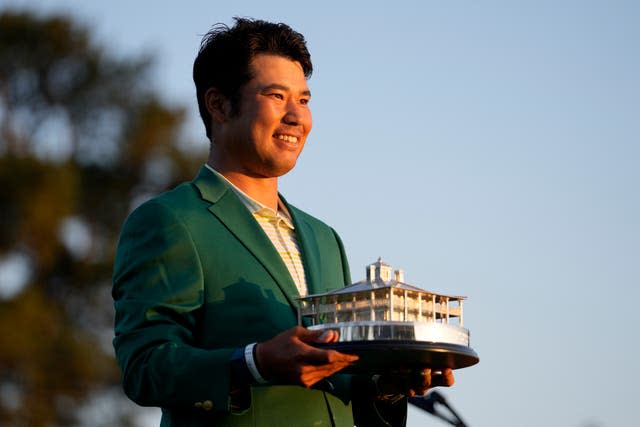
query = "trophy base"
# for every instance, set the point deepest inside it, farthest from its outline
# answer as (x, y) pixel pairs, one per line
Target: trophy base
(387, 357)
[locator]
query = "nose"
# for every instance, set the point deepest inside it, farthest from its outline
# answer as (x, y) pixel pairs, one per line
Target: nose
(297, 114)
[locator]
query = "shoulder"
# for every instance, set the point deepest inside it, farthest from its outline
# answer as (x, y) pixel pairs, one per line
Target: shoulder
(176, 203)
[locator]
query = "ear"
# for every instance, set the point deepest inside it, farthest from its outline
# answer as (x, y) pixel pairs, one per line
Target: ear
(217, 105)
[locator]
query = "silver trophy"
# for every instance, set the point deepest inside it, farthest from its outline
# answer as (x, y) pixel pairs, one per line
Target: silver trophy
(391, 324)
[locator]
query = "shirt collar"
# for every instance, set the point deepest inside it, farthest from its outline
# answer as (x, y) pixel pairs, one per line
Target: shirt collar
(254, 206)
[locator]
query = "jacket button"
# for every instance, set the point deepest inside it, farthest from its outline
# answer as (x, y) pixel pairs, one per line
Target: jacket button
(207, 405)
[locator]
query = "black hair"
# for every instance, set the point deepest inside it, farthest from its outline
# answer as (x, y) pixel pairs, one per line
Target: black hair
(226, 53)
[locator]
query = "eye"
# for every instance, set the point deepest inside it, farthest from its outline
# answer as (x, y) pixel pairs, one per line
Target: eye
(304, 101)
(278, 96)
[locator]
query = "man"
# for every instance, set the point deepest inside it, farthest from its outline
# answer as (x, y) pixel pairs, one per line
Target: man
(207, 275)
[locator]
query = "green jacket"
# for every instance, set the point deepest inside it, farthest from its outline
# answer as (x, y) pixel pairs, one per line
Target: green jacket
(195, 277)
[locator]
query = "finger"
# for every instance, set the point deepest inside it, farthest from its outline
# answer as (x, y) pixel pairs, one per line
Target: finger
(317, 356)
(311, 374)
(329, 336)
(311, 337)
(307, 335)
(421, 379)
(323, 337)
(443, 379)
(324, 370)
(425, 384)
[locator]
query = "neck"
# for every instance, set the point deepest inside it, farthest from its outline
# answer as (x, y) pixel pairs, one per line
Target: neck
(264, 190)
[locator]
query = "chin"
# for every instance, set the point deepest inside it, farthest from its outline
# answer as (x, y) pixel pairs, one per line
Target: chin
(283, 172)
(280, 168)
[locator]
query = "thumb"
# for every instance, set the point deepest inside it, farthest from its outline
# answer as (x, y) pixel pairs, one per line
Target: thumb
(328, 336)
(319, 336)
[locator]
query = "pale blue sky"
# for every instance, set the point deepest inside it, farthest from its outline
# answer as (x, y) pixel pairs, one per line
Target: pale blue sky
(488, 148)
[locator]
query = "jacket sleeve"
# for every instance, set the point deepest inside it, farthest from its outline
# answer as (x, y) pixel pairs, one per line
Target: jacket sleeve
(158, 296)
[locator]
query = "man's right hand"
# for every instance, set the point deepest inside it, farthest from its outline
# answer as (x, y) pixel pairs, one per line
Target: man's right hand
(289, 357)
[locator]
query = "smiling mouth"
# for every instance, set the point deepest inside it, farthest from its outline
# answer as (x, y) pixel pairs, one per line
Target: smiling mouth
(286, 138)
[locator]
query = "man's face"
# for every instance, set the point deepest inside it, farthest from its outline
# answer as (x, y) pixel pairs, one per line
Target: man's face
(266, 136)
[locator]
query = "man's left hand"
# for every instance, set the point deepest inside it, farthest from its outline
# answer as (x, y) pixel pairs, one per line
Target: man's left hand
(413, 383)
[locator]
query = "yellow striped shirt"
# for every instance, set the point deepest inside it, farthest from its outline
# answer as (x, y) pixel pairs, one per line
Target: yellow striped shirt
(278, 226)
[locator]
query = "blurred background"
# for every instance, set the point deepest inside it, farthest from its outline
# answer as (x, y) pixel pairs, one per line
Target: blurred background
(488, 148)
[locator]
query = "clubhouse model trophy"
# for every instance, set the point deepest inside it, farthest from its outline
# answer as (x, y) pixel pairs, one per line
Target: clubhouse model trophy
(391, 324)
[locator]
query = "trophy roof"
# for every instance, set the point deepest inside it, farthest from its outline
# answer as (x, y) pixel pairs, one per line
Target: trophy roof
(366, 286)
(380, 275)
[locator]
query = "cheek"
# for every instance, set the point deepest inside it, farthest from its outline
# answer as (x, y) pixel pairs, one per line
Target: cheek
(309, 122)
(267, 118)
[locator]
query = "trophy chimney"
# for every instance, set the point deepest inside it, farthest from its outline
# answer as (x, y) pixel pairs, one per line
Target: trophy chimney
(378, 271)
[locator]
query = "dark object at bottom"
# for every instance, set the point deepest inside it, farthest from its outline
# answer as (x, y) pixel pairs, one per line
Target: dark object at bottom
(381, 357)
(428, 403)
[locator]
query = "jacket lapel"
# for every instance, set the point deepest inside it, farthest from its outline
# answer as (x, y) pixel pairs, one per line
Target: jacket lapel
(309, 249)
(226, 206)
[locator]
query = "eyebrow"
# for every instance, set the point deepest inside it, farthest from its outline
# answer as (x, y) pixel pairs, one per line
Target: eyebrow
(284, 88)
